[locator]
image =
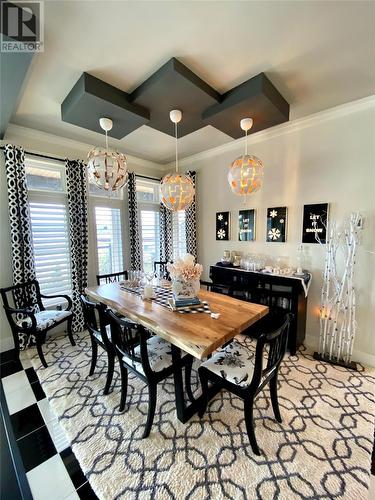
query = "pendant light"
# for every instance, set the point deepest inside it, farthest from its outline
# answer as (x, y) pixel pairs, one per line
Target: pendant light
(107, 169)
(177, 190)
(246, 172)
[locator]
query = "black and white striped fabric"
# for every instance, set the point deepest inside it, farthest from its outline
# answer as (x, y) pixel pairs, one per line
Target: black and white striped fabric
(166, 242)
(23, 264)
(163, 296)
(78, 235)
(134, 236)
(190, 221)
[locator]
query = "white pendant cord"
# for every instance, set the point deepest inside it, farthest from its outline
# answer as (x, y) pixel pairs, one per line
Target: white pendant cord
(175, 132)
(106, 171)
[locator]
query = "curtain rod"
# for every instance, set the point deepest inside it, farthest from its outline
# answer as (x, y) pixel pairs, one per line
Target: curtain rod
(46, 157)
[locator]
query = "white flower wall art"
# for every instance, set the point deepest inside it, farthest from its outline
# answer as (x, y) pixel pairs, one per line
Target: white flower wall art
(222, 226)
(276, 224)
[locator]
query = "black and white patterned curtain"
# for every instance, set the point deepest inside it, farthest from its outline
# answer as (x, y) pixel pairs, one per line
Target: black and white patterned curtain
(166, 243)
(78, 235)
(134, 237)
(19, 215)
(190, 221)
(23, 264)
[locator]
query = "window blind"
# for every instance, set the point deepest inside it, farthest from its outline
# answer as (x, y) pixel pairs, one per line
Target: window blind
(109, 239)
(179, 234)
(150, 232)
(49, 226)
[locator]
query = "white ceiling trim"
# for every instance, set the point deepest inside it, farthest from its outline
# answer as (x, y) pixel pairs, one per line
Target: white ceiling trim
(22, 135)
(284, 128)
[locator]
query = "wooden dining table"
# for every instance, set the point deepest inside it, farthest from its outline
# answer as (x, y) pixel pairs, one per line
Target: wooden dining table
(197, 334)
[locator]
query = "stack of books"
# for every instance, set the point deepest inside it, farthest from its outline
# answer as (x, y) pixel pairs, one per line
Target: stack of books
(176, 304)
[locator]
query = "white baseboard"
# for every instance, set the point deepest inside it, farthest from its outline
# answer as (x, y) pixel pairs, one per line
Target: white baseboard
(358, 356)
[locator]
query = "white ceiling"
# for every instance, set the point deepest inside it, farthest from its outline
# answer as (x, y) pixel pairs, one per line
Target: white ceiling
(317, 53)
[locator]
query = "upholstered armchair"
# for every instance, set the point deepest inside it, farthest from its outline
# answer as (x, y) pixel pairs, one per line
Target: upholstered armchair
(29, 319)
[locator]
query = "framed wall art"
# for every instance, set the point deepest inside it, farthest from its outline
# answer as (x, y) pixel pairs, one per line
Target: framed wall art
(222, 226)
(246, 225)
(314, 227)
(276, 224)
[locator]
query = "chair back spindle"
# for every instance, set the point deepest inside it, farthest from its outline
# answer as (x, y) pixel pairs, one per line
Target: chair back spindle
(126, 336)
(163, 271)
(276, 342)
(95, 319)
(102, 279)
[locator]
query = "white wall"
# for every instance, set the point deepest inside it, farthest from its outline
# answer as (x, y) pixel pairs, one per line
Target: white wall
(35, 141)
(328, 157)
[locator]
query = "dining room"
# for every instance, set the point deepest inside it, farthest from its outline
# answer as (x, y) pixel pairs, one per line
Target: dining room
(187, 246)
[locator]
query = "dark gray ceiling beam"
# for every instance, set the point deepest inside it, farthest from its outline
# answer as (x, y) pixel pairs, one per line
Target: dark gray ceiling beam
(91, 99)
(174, 86)
(256, 98)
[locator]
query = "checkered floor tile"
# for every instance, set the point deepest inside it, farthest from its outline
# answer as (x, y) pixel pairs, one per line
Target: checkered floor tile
(50, 465)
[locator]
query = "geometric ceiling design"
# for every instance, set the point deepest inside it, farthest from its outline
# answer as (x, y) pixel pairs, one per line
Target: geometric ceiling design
(174, 86)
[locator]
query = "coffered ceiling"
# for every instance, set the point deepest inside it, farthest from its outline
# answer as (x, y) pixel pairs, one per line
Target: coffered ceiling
(317, 54)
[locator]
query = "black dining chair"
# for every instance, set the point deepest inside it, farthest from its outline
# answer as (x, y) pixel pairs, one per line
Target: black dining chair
(102, 279)
(240, 370)
(28, 316)
(148, 357)
(216, 287)
(100, 335)
(160, 267)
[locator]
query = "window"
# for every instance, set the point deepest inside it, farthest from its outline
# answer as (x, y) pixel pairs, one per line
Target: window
(148, 197)
(95, 191)
(44, 178)
(109, 239)
(179, 234)
(150, 230)
(49, 225)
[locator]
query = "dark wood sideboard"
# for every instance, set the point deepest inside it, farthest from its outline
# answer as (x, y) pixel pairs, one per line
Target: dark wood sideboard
(277, 292)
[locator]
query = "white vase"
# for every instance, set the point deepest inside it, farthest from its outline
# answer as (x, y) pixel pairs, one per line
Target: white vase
(185, 289)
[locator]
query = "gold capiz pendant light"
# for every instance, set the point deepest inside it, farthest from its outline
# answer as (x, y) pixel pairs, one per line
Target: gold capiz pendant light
(245, 174)
(107, 169)
(177, 190)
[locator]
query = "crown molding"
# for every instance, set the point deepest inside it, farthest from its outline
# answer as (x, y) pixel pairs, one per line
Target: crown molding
(283, 129)
(50, 143)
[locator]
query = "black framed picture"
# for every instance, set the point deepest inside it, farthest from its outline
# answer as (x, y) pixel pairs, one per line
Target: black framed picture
(246, 225)
(314, 226)
(276, 224)
(222, 226)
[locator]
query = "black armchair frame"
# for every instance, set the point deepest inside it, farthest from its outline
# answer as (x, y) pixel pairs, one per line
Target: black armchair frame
(163, 269)
(111, 278)
(96, 323)
(29, 297)
(277, 341)
(125, 336)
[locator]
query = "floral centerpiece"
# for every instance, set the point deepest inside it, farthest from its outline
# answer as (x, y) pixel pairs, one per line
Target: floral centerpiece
(185, 275)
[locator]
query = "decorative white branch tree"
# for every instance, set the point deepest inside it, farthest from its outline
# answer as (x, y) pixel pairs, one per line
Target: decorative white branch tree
(338, 298)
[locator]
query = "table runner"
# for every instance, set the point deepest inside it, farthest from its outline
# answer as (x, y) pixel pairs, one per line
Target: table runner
(164, 295)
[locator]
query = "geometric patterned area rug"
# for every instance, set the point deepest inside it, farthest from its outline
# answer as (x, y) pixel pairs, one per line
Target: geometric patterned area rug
(322, 449)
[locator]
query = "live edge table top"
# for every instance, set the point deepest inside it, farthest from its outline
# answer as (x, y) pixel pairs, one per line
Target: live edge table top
(197, 334)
